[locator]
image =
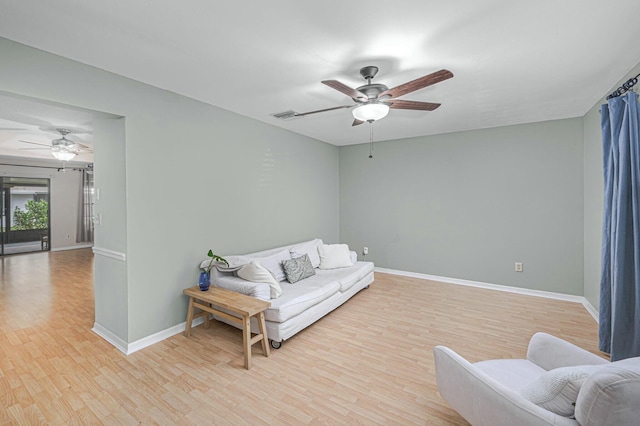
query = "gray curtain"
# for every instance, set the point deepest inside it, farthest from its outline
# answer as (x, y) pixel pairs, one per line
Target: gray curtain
(84, 231)
(620, 281)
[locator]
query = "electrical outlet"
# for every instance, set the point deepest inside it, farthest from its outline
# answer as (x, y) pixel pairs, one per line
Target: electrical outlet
(365, 250)
(518, 266)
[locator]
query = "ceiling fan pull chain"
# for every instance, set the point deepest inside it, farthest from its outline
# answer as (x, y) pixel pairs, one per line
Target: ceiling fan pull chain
(370, 139)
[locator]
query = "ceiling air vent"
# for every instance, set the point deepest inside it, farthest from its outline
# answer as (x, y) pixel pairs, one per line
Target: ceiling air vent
(286, 115)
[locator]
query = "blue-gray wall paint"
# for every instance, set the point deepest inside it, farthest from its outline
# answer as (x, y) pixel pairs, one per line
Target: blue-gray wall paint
(464, 205)
(469, 205)
(197, 177)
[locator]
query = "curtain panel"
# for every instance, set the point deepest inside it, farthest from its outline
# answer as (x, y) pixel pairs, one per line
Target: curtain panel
(84, 229)
(619, 327)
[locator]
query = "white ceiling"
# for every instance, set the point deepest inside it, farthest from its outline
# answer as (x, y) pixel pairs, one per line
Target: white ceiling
(513, 61)
(25, 123)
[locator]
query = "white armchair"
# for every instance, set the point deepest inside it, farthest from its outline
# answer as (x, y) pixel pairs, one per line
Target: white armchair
(489, 392)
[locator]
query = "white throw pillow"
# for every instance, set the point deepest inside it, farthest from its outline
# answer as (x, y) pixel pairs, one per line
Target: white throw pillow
(274, 263)
(310, 248)
(557, 390)
(334, 256)
(256, 273)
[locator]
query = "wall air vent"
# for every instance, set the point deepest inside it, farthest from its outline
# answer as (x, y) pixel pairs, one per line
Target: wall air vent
(286, 115)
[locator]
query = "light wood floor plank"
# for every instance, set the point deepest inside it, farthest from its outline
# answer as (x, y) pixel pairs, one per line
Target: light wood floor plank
(369, 362)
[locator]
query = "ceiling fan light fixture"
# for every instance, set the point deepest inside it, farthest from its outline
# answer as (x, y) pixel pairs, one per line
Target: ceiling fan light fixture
(371, 112)
(64, 149)
(64, 155)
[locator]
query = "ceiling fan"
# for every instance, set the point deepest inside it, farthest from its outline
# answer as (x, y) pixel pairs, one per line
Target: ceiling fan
(373, 101)
(63, 149)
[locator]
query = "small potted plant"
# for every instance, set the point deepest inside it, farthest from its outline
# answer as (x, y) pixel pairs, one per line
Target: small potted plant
(205, 276)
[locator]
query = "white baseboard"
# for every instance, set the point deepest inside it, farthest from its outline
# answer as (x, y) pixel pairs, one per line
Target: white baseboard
(593, 311)
(525, 291)
(79, 246)
(129, 348)
(107, 335)
(161, 335)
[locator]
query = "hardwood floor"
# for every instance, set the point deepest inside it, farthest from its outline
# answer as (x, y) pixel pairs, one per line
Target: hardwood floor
(368, 362)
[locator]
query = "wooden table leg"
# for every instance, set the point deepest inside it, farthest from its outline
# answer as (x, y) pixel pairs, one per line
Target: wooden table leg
(263, 331)
(206, 318)
(246, 341)
(187, 328)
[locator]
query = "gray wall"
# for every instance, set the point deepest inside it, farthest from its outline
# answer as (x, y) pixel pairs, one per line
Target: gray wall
(197, 177)
(111, 287)
(64, 197)
(185, 177)
(469, 205)
(593, 196)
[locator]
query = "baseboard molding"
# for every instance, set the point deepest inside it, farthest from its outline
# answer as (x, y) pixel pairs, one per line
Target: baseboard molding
(109, 253)
(107, 335)
(76, 247)
(129, 348)
(518, 290)
(593, 311)
(161, 335)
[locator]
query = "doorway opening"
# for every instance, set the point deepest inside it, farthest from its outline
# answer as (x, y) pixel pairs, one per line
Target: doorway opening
(24, 215)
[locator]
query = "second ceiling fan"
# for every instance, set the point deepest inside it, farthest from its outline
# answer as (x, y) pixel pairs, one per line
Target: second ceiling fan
(373, 101)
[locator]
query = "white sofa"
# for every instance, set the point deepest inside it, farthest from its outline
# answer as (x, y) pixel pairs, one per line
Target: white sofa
(302, 303)
(556, 374)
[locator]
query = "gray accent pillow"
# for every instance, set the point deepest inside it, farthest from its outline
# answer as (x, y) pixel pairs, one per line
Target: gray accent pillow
(298, 269)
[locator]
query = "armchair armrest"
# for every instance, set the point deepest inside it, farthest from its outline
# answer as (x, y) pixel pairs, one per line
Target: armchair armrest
(483, 401)
(550, 352)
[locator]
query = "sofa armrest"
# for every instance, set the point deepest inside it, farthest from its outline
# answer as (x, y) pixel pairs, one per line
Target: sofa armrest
(249, 288)
(551, 352)
(483, 401)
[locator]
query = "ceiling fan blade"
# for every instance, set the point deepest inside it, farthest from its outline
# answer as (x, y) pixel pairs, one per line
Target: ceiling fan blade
(418, 83)
(302, 114)
(83, 146)
(357, 122)
(420, 106)
(10, 129)
(36, 143)
(343, 88)
(32, 149)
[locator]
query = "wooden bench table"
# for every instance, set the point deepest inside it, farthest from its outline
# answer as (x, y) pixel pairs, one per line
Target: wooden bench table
(239, 304)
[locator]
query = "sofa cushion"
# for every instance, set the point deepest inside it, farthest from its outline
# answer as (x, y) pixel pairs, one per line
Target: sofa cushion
(347, 277)
(310, 248)
(334, 256)
(298, 269)
(512, 373)
(255, 272)
(610, 395)
(298, 297)
(557, 390)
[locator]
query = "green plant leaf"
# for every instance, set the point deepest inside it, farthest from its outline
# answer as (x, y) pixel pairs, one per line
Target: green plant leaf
(216, 258)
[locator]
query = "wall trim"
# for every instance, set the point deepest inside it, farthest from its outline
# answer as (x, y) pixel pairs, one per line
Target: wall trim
(129, 348)
(79, 246)
(593, 311)
(498, 287)
(110, 337)
(109, 253)
(161, 335)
